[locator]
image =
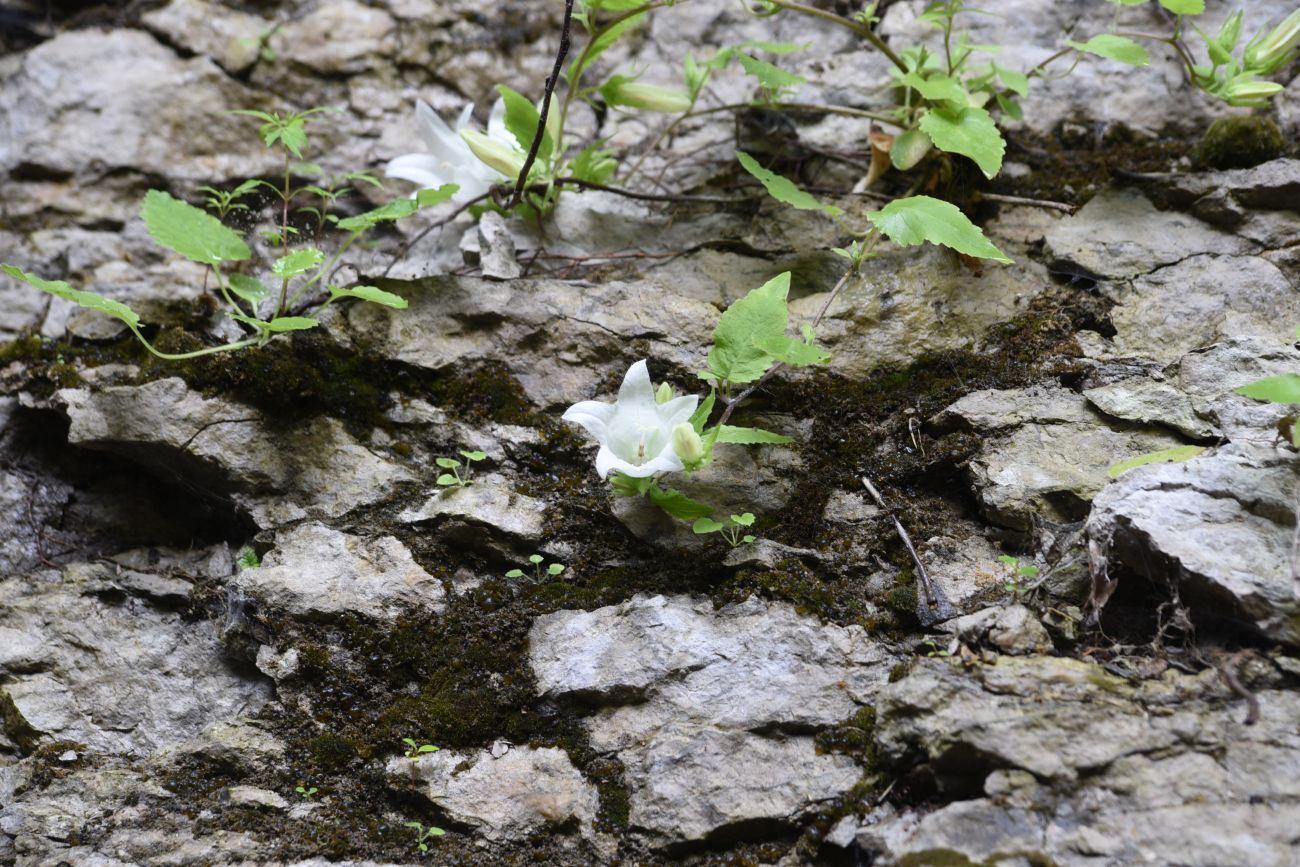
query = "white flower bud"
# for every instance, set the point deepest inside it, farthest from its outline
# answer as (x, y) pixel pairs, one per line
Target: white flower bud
(688, 445)
(649, 97)
(494, 152)
(664, 394)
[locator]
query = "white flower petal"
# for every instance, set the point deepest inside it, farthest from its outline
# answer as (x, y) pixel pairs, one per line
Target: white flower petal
(419, 169)
(439, 138)
(607, 462)
(496, 127)
(593, 415)
(678, 410)
(666, 461)
(637, 393)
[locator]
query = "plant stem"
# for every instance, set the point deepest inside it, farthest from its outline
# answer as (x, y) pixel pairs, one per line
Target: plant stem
(551, 81)
(862, 30)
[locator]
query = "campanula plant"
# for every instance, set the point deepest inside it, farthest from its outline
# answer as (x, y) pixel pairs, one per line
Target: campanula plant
(282, 296)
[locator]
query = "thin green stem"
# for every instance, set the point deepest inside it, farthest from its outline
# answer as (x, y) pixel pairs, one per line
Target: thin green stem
(856, 26)
(181, 356)
(324, 269)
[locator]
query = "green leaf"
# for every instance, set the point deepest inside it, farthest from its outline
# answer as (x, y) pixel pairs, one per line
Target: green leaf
(910, 221)
(1277, 389)
(373, 294)
(429, 198)
(793, 352)
(677, 504)
(701, 415)
(744, 520)
(555, 569)
(783, 189)
(1114, 48)
(774, 47)
(298, 262)
(968, 131)
(909, 149)
(1016, 82)
(535, 559)
(615, 5)
(190, 231)
(473, 456)
(291, 323)
(937, 88)
(772, 78)
(600, 44)
(448, 479)
(394, 210)
(1180, 453)
(248, 288)
(630, 486)
(1010, 107)
(521, 120)
(447, 463)
(703, 526)
(89, 300)
(761, 313)
(515, 573)
(1184, 7)
(749, 436)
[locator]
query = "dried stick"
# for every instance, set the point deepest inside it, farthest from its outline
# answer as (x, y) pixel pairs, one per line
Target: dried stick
(907, 542)
(546, 105)
(1229, 673)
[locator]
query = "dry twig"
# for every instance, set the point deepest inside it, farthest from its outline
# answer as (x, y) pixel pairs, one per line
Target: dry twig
(930, 596)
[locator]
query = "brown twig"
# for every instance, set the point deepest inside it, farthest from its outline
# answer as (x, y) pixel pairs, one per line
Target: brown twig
(551, 81)
(1228, 673)
(930, 596)
(1020, 200)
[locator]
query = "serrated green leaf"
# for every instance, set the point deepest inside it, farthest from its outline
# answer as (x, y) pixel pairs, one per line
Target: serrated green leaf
(629, 486)
(1174, 455)
(909, 149)
(704, 526)
(373, 294)
(1114, 48)
(783, 189)
(937, 88)
(795, 353)
(190, 231)
(911, 221)
(521, 120)
(751, 436)
(1184, 7)
(298, 262)
(968, 131)
(1016, 82)
(759, 314)
(771, 77)
(1277, 389)
(601, 44)
(677, 504)
(394, 210)
(248, 288)
(700, 417)
(89, 300)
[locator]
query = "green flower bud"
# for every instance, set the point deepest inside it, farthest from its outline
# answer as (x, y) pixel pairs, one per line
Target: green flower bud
(649, 97)
(1230, 32)
(1270, 53)
(1243, 91)
(495, 153)
(688, 445)
(664, 394)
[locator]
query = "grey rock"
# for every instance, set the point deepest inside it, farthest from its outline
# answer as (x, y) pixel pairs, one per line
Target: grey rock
(315, 572)
(1119, 235)
(1202, 299)
(1274, 185)
(1053, 463)
(1148, 401)
(1017, 631)
(497, 248)
(90, 101)
(239, 743)
(1161, 772)
(228, 36)
(337, 37)
(252, 796)
(1220, 525)
(766, 554)
(313, 469)
(690, 782)
(1210, 377)
(144, 679)
(510, 518)
(505, 796)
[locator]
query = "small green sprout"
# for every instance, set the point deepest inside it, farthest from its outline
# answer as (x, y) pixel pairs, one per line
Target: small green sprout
(247, 558)
(935, 649)
(454, 479)
(731, 530)
(414, 749)
(307, 793)
(1018, 570)
(536, 560)
(422, 834)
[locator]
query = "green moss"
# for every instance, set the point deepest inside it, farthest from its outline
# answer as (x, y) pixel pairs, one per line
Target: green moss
(16, 727)
(1241, 141)
(331, 753)
(830, 595)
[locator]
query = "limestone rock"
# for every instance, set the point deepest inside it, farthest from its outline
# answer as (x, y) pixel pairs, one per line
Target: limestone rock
(226, 35)
(505, 795)
(121, 676)
(511, 519)
(315, 572)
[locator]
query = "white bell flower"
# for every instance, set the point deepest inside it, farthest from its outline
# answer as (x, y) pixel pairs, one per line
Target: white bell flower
(634, 432)
(449, 159)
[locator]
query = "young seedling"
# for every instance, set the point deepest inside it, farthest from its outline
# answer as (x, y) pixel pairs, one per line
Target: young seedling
(536, 561)
(247, 558)
(454, 479)
(1019, 571)
(307, 793)
(423, 834)
(414, 749)
(731, 530)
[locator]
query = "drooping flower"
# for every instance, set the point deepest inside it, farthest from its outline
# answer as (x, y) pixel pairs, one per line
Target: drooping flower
(449, 159)
(505, 157)
(634, 432)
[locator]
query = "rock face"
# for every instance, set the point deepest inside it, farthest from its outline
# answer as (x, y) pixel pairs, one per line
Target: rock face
(83, 663)
(1161, 772)
(269, 472)
(506, 793)
(695, 702)
(316, 572)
